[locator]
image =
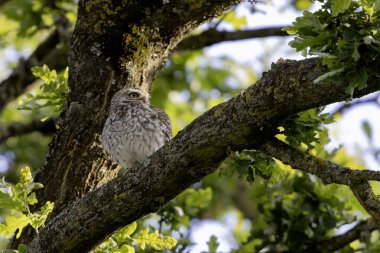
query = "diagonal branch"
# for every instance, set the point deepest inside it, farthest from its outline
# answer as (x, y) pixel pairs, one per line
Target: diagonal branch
(329, 172)
(246, 121)
(213, 36)
(17, 128)
(339, 241)
(366, 197)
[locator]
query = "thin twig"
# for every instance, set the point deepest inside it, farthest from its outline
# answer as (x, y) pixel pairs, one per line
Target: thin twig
(213, 36)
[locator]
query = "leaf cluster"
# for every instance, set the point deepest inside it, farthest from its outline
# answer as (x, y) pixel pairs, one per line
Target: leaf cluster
(250, 164)
(16, 199)
(346, 35)
(123, 241)
(189, 204)
(33, 16)
(295, 216)
(52, 91)
(173, 217)
(305, 127)
(213, 244)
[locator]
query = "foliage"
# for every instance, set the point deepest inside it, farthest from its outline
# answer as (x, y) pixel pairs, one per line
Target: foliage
(301, 4)
(121, 242)
(52, 93)
(346, 35)
(295, 215)
(17, 199)
(213, 244)
(305, 127)
(249, 164)
(237, 22)
(173, 217)
(33, 16)
(189, 204)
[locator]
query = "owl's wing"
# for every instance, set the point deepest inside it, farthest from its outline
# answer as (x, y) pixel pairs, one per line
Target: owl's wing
(166, 127)
(165, 124)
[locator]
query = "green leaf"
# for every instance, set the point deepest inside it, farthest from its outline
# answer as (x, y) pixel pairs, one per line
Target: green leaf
(38, 218)
(309, 23)
(128, 230)
(329, 74)
(235, 21)
(18, 198)
(7, 202)
(194, 200)
(355, 54)
(32, 199)
(25, 175)
(155, 240)
(52, 91)
(370, 9)
(339, 6)
(14, 222)
(290, 30)
(22, 248)
(213, 244)
(359, 80)
(125, 249)
(367, 129)
(302, 4)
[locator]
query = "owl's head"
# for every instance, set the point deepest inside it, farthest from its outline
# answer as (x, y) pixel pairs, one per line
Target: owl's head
(130, 95)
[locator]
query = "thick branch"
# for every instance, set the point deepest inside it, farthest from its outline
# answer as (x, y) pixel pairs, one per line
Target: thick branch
(213, 36)
(246, 121)
(339, 241)
(329, 172)
(17, 128)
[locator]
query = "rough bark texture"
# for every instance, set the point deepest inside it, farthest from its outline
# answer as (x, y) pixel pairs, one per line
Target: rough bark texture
(246, 121)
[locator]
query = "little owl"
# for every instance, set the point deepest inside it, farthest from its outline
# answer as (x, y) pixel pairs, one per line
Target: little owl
(134, 129)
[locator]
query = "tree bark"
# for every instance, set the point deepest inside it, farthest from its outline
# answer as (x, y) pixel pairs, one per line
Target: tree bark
(246, 121)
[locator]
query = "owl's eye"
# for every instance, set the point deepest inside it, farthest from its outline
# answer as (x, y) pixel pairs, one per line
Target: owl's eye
(133, 95)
